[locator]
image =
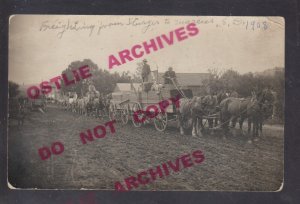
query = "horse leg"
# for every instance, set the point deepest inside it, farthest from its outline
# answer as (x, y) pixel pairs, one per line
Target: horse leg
(180, 123)
(256, 131)
(210, 123)
(233, 121)
(194, 132)
(241, 122)
(181, 127)
(195, 123)
(249, 125)
(225, 124)
(260, 134)
(253, 128)
(216, 122)
(200, 120)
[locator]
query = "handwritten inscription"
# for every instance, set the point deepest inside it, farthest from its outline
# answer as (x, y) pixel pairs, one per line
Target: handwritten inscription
(60, 27)
(246, 23)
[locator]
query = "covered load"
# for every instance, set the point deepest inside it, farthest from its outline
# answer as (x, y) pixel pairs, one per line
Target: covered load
(126, 91)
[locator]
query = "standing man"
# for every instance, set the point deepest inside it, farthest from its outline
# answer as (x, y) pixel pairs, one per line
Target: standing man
(145, 71)
(92, 93)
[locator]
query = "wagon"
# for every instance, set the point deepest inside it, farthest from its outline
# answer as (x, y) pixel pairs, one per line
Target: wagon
(129, 98)
(38, 103)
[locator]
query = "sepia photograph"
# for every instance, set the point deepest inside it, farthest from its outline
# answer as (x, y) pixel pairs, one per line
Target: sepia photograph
(146, 103)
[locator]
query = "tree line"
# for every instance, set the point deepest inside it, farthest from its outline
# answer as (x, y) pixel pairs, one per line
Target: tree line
(244, 84)
(228, 80)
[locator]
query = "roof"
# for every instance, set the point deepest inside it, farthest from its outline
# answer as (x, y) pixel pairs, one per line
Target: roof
(126, 87)
(188, 79)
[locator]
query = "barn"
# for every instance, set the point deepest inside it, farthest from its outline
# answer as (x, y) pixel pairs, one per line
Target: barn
(192, 81)
(126, 87)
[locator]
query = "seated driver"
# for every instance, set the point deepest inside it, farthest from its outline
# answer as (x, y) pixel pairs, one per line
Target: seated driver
(169, 75)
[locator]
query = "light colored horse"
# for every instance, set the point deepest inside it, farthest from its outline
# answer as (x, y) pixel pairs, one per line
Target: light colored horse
(189, 111)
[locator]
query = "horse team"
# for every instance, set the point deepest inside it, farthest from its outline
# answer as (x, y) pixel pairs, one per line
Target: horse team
(97, 106)
(221, 110)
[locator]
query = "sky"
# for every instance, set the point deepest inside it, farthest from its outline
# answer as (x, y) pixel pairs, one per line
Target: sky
(42, 46)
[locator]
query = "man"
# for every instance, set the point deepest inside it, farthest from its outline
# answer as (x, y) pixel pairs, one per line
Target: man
(145, 71)
(92, 92)
(170, 74)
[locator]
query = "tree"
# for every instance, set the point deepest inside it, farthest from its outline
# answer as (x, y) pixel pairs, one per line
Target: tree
(246, 84)
(81, 86)
(213, 84)
(103, 80)
(278, 87)
(138, 73)
(13, 89)
(229, 79)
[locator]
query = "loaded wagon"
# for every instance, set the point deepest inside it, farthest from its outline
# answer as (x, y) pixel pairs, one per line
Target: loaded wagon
(129, 98)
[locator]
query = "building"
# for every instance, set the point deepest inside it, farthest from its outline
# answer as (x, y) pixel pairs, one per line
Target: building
(126, 87)
(193, 81)
(54, 94)
(270, 72)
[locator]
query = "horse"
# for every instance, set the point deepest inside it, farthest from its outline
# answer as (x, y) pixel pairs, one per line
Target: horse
(104, 103)
(252, 108)
(260, 109)
(211, 106)
(98, 106)
(231, 109)
(189, 112)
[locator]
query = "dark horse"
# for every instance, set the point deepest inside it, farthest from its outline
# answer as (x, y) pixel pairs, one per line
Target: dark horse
(255, 109)
(101, 106)
(213, 107)
(259, 109)
(97, 106)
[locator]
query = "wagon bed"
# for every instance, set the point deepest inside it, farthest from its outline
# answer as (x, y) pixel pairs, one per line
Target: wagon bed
(125, 103)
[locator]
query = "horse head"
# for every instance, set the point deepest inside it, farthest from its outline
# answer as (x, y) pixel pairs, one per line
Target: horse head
(198, 104)
(209, 103)
(263, 101)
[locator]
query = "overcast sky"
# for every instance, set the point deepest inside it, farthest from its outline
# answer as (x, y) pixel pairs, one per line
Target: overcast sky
(40, 48)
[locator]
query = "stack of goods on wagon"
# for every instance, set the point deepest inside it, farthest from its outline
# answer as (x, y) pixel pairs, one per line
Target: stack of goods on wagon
(126, 91)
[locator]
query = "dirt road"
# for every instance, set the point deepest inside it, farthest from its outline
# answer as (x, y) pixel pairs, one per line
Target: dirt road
(230, 164)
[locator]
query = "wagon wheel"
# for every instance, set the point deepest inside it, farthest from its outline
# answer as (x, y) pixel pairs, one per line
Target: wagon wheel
(161, 121)
(136, 107)
(112, 112)
(124, 115)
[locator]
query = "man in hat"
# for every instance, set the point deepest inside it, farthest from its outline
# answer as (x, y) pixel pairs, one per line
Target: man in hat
(145, 71)
(169, 75)
(92, 92)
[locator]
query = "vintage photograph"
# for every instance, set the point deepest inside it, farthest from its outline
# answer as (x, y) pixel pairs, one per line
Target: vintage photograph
(146, 103)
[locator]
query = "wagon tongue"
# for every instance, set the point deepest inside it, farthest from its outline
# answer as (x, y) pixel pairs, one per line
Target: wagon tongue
(41, 110)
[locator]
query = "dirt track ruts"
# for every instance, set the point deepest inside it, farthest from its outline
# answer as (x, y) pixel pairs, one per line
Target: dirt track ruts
(230, 164)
